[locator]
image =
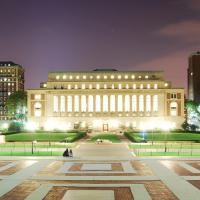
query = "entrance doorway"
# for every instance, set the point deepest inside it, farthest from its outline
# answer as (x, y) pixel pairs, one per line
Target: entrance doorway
(105, 127)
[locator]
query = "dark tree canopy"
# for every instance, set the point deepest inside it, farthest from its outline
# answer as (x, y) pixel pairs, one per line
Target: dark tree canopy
(17, 105)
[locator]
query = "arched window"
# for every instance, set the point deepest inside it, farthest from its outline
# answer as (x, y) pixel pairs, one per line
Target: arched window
(155, 103)
(90, 103)
(127, 103)
(105, 103)
(134, 103)
(141, 103)
(112, 103)
(148, 103)
(173, 108)
(83, 103)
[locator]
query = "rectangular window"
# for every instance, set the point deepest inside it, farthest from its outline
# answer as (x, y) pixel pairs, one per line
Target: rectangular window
(127, 103)
(90, 103)
(83, 103)
(134, 103)
(141, 103)
(148, 103)
(120, 103)
(69, 103)
(112, 103)
(76, 103)
(62, 104)
(55, 103)
(105, 103)
(155, 103)
(98, 103)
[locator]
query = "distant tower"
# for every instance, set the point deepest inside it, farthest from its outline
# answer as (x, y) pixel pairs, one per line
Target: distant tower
(11, 80)
(194, 77)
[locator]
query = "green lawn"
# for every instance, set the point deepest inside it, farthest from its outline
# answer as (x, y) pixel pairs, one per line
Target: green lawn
(168, 154)
(17, 153)
(138, 137)
(162, 146)
(37, 145)
(21, 137)
(105, 136)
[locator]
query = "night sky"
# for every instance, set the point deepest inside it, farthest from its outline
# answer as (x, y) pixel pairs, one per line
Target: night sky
(59, 35)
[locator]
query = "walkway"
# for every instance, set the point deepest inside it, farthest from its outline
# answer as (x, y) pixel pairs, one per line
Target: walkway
(104, 171)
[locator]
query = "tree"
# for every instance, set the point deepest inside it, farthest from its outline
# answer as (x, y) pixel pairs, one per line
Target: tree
(193, 116)
(17, 105)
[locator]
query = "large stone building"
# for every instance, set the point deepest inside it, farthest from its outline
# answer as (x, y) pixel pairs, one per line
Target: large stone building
(194, 77)
(11, 80)
(106, 100)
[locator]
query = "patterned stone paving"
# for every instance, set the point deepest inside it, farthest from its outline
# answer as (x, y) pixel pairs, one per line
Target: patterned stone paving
(135, 178)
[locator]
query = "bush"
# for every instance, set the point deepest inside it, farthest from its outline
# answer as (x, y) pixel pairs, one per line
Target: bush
(15, 127)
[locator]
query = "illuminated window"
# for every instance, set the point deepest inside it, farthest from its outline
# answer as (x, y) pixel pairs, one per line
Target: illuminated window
(55, 103)
(120, 86)
(141, 86)
(62, 104)
(84, 77)
(105, 77)
(83, 103)
(146, 77)
(83, 86)
(155, 103)
(134, 86)
(139, 77)
(97, 86)
(166, 84)
(120, 103)
(141, 103)
(126, 76)
(76, 103)
(76, 86)
(64, 76)
(173, 109)
(69, 87)
(119, 77)
(113, 86)
(37, 97)
(90, 86)
(105, 103)
(148, 86)
(134, 103)
(133, 77)
(38, 113)
(37, 105)
(155, 86)
(69, 103)
(98, 103)
(148, 103)
(90, 103)
(127, 86)
(112, 76)
(112, 103)
(77, 77)
(44, 85)
(71, 77)
(91, 77)
(105, 86)
(57, 77)
(98, 77)
(127, 103)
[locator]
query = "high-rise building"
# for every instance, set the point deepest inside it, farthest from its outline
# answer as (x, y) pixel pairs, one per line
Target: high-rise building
(106, 100)
(194, 77)
(11, 80)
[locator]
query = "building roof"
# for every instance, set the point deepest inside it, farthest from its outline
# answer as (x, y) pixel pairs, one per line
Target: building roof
(8, 63)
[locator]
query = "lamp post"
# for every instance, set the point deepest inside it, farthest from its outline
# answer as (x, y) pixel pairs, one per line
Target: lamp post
(166, 128)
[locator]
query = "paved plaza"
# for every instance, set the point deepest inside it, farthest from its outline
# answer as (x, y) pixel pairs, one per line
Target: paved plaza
(100, 172)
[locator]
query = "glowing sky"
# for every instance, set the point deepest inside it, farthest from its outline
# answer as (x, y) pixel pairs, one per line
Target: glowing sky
(57, 35)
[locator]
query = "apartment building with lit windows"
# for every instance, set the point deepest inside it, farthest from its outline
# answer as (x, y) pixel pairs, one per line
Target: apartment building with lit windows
(11, 80)
(105, 99)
